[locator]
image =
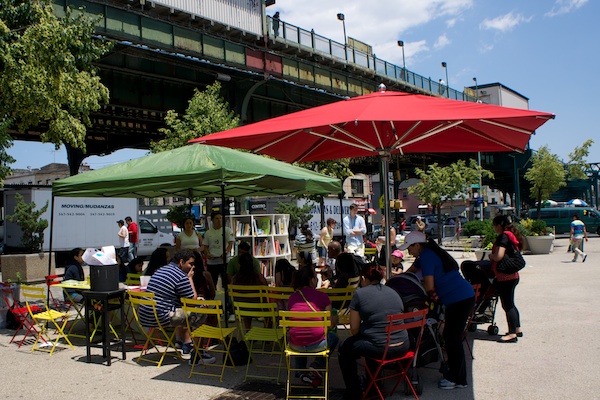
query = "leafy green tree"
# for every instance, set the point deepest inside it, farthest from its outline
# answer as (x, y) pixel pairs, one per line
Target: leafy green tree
(32, 226)
(46, 73)
(298, 215)
(578, 164)
(441, 184)
(207, 113)
(546, 175)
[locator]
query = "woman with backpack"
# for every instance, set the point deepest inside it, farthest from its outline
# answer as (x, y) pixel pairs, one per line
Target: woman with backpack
(443, 282)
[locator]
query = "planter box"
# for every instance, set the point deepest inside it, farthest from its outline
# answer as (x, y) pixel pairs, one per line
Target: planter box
(33, 268)
(540, 244)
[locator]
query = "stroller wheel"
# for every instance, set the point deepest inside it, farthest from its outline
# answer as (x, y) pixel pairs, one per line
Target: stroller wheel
(492, 330)
(472, 327)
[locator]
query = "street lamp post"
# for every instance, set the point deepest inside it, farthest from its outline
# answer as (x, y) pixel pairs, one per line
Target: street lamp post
(342, 18)
(476, 90)
(445, 66)
(401, 44)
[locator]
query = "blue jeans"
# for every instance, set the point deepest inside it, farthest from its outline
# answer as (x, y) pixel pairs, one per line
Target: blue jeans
(132, 251)
(331, 342)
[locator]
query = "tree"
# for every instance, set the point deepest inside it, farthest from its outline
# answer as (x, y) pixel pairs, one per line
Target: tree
(32, 226)
(207, 113)
(546, 175)
(441, 184)
(298, 215)
(46, 74)
(578, 164)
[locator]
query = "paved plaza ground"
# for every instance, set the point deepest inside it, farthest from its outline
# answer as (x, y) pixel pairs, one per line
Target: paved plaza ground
(556, 359)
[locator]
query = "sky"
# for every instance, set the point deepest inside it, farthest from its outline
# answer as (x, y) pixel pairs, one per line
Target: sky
(546, 50)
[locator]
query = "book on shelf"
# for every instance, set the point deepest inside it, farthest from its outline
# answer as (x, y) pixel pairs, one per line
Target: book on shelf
(254, 228)
(280, 226)
(247, 229)
(277, 248)
(263, 225)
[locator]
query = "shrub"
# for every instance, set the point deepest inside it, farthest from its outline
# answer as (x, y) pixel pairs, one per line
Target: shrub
(533, 227)
(481, 228)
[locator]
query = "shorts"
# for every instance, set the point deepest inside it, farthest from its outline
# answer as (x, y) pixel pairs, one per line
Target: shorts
(177, 318)
(322, 252)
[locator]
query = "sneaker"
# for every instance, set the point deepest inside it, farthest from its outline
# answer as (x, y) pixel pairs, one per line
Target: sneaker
(186, 348)
(311, 379)
(179, 344)
(203, 358)
(584, 258)
(314, 370)
(231, 318)
(447, 385)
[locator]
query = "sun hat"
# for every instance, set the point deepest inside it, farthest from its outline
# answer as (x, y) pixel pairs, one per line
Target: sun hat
(398, 253)
(412, 238)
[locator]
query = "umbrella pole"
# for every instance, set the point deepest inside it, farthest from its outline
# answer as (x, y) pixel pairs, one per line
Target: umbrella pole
(341, 196)
(225, 284)
(385, 167)
(50, 244)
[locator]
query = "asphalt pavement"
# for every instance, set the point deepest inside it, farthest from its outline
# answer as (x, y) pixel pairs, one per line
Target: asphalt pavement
(556, 359)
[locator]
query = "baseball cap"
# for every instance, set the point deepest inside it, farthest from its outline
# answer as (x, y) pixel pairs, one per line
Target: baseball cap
(397, 253)
(412, 238)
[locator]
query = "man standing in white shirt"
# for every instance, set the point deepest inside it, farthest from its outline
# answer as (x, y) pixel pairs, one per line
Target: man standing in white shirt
(123, 241)
(213, 247)
(354, 229)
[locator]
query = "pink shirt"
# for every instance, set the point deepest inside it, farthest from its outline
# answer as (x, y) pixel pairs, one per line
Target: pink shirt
(319, 301)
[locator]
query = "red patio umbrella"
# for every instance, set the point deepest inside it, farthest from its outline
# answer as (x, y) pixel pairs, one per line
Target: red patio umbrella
(385, 123)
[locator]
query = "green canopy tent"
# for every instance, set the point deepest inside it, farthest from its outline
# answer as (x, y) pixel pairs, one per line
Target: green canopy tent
(196, 171)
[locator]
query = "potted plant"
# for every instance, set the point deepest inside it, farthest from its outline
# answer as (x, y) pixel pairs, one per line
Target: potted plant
(32, 264)
(539, 237)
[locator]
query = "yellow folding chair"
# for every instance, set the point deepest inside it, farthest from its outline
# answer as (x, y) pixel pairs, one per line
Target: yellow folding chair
(159, 335)
(248, 293)
(280, 295)
(266, 341)
(132, 279)
(35, 298)
(203, 309)
(311, 319)
(353, 282)
(70, 303)
(129, 313)
(340, 300)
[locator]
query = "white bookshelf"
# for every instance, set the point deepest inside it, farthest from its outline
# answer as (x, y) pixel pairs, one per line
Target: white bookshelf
(267, 235)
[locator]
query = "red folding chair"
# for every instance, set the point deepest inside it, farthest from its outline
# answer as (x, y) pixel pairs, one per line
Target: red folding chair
(21, 315)
(55, 303)
(415, 320)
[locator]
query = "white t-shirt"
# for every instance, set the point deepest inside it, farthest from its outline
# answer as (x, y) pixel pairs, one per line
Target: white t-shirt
(123, 241)
(213, 240)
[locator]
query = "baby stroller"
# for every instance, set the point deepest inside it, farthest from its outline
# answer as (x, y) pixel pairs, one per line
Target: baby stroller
(479, 272)
(414, 297)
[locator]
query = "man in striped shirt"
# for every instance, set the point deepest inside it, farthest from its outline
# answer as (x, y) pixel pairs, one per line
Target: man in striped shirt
(169, 284)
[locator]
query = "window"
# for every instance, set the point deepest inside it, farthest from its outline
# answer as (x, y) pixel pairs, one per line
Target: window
(357, 186)
(146, 227)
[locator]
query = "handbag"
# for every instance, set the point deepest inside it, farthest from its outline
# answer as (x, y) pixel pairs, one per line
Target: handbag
(512, 264)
